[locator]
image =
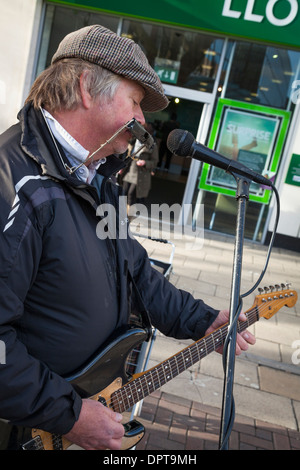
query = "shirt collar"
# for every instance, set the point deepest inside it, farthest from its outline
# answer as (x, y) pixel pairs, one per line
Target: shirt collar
(75, 152)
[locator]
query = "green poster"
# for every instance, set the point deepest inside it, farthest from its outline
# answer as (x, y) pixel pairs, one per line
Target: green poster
(247, 138)
(251, 134)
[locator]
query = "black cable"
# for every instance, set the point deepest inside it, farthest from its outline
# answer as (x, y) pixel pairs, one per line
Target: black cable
(228, 429)
(270, 244)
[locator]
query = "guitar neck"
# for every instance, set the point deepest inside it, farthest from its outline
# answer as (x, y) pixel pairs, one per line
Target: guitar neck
(151, 380)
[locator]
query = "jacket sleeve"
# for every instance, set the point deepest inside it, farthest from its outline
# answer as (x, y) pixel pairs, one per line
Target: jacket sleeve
(173, 311)
(31, 395)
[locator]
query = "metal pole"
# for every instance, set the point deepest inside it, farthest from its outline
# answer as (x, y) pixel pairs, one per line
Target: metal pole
(229, 353)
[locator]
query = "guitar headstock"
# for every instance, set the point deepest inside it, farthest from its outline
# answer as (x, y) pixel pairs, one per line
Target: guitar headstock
(273, 298)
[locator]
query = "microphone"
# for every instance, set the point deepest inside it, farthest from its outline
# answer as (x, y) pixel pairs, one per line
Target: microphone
(183, 144)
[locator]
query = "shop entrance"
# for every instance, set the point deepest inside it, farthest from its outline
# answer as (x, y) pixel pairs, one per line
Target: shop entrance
(199, 73)
(170, 177)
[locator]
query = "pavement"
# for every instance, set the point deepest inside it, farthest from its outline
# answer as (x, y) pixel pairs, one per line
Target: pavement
(186, 413)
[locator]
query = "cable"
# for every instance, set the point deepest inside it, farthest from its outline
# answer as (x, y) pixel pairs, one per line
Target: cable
(270, 244)
(228, 429)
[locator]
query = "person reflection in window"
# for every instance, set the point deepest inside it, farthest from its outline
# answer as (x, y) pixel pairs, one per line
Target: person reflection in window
(166, 128)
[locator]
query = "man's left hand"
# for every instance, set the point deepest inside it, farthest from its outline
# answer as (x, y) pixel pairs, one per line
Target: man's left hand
(243, 339)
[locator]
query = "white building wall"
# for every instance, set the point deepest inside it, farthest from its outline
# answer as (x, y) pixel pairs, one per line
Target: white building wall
(289, 222)
(19, 27)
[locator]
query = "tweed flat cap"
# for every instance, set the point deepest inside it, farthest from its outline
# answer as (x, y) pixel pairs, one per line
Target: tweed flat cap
(118, 54)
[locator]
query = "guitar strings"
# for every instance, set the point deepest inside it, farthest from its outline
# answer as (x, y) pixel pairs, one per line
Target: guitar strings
(195, 355)
(210, 344)
(140, 387)
(148, 387)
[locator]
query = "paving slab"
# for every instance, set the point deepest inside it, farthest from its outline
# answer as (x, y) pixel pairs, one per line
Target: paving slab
(279, 382)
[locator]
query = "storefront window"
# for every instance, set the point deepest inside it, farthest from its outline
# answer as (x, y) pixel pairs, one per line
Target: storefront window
(182, 58)
(262, 75)
(258, 75)
(60, 21)
(251, 74)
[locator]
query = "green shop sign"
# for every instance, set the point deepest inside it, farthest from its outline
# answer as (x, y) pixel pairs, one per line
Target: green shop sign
(293, 174)
(273, 21)
(167, 70)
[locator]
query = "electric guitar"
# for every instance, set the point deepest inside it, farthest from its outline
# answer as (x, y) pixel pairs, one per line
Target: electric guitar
(94, 379)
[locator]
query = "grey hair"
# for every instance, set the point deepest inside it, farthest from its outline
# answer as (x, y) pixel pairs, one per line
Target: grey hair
(58, 87)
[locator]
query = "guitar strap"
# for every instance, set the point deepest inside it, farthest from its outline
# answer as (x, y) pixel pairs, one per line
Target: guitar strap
(142, 310)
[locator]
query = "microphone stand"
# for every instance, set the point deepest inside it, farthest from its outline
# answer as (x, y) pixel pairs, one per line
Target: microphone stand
(242, 196)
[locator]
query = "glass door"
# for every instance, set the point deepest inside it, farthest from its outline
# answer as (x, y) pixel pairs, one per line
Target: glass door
(170, 177)
(191, 65)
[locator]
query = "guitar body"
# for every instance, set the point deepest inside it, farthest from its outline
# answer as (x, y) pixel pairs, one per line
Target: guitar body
(108, 364)
(93, 380)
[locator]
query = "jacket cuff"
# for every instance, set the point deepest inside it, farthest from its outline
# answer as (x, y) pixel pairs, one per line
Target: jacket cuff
(204, 323)
(63, 424)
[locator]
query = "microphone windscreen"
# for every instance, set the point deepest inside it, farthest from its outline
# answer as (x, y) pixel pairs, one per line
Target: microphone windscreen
(180, 142)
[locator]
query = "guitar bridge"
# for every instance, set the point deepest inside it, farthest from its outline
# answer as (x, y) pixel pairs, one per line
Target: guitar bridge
(134, 432)
(34, 444)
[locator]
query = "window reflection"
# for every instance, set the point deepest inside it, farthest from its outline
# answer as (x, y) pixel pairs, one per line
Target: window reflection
(65, 20)
(181, 58)
(251, 73)
(258, 73)
(261, 74)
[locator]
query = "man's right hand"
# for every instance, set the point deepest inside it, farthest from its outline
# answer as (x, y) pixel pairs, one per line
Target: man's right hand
(97, 428)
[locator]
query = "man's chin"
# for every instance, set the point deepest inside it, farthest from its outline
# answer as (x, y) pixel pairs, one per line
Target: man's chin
(120, 149)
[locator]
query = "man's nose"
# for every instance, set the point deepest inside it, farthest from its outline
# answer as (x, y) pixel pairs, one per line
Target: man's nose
(139, 116)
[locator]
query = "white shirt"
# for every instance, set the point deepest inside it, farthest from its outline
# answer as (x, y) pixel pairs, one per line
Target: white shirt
(74, 151)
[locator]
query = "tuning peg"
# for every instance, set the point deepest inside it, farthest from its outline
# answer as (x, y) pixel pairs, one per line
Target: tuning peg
(266, 289)
(260, 290)
(271, 288)
(282, 286)
(277, 286)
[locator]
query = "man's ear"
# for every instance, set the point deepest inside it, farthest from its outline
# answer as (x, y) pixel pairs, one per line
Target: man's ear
(85, 95)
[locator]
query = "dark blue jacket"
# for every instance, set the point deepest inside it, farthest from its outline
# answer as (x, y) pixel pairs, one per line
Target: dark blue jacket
(63, 289)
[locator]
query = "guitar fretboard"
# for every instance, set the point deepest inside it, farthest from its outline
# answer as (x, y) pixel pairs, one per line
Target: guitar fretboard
(142, 386)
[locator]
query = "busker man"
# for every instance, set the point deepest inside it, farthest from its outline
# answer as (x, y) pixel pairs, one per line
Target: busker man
(64, 290)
